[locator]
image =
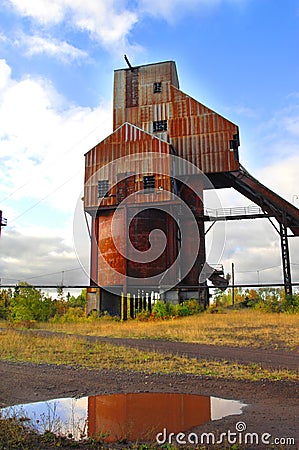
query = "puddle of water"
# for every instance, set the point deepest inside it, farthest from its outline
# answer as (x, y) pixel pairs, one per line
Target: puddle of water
(123, 416)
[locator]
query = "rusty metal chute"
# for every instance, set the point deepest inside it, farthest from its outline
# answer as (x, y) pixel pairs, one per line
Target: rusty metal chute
(264, 197)
(286, 214)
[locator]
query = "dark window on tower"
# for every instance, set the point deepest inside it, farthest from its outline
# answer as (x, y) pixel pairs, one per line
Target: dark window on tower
(160, 125)
(103, 187)
(149, 183)
(157, 87)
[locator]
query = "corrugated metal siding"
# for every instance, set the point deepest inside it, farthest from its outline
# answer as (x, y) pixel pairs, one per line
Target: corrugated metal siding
(165, 71)
(108, 256)
(111, 262)
(108, 159)
(197, 133)
(127, 95)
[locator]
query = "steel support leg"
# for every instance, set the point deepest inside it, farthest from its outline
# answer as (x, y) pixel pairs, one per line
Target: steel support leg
(286, 266)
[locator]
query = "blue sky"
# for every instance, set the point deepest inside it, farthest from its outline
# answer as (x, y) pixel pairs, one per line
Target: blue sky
(239, 57)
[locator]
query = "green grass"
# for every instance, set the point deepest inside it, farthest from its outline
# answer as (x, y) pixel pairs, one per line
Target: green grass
(97, 355)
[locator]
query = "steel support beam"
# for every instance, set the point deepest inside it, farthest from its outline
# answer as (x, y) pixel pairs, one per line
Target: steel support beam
(285, 254)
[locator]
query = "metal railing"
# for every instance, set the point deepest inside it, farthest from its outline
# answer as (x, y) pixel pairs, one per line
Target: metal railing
(251, 210)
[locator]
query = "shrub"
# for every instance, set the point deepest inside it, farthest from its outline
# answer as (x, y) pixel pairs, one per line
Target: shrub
(275, 300)
(164, 310)
(290, 303)
(160, 310)
(30, 304)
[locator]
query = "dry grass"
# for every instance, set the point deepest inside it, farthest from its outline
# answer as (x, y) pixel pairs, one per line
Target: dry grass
(71, 350)
(236, 328)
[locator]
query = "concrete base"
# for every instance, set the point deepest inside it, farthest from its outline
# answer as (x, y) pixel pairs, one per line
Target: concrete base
(92, 301)
(101, 300)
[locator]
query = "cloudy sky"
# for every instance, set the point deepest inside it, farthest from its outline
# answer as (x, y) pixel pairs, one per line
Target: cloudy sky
(239, 57)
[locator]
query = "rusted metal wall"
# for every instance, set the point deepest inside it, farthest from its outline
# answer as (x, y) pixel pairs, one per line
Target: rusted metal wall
(108, 255)
(111, 159)
(197, 133)
(110, 249)
(201, 136)
(138, 108)
(139, 231)
(143, 97)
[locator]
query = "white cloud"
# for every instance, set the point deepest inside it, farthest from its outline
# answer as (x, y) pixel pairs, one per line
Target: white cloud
(3, 38)
(5, 72)
(42, 144)
(44, 11)
(111, 21)
(38, 260)
(292, 124)
(43, 140)
(174, 9)
(279, 135)
(58, 49)
(105, 20)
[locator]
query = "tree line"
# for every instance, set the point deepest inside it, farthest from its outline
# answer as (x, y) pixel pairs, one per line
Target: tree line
(27, 303)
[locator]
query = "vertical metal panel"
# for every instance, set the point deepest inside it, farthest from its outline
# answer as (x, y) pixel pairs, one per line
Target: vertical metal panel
(132, 88)
(196, 132)
(107, 160)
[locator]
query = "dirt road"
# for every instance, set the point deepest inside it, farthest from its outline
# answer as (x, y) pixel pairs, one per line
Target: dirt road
(272, 406)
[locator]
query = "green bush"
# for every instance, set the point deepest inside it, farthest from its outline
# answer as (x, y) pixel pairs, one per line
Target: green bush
(275, 300)
(160, 310)
(73, 314)
(30, 304)
(290, 303)
(182, 310)
(164, 310)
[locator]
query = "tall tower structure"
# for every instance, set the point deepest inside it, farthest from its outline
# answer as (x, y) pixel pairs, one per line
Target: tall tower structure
(165, 150)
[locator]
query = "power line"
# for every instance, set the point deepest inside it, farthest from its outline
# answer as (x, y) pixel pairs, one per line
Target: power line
(257, 270)
(43, 198)
(50, 165)
(85, 286)
(24, 279)
(54, 273)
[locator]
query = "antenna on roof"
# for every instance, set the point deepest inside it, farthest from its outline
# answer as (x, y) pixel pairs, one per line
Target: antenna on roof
(128, 62)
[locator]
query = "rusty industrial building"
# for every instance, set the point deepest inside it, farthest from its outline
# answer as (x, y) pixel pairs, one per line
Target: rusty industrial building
(131, 187)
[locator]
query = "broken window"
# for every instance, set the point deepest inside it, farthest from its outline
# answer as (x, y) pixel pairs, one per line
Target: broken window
(103, 188)
(149, 183)
(157, 87)
(160, 125)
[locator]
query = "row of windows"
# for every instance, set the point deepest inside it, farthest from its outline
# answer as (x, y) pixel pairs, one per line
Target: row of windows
(148, 185)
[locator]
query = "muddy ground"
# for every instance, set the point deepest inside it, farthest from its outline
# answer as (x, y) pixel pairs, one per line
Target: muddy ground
(272, 406)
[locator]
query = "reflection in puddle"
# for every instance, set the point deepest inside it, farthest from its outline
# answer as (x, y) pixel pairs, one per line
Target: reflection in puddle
(124, 416)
